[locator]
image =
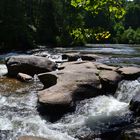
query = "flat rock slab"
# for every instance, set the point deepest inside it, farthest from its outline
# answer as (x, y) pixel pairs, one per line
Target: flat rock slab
(80, 66)
(24, 77)
(129, 72)
(29, 64)
(111, 77)
(105, 67)
(76, 81)
(31, 138)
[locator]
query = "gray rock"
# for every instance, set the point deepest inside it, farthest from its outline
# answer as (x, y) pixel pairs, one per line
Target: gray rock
(76, 81)
(29, 64)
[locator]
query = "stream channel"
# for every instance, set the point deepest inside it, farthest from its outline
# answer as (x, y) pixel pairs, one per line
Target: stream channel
(92, 119)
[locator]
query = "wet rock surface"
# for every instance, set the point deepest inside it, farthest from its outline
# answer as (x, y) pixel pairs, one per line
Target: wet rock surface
(31, 138)
(131, 132)
(135, 104)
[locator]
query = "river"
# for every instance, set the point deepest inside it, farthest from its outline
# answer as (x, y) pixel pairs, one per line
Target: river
(92, 119)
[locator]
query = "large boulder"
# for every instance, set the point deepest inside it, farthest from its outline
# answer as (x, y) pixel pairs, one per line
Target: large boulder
(29, 64)
(77, 81)
(129, 72)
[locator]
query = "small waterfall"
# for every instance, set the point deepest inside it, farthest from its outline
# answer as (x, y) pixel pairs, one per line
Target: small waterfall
(127, 90)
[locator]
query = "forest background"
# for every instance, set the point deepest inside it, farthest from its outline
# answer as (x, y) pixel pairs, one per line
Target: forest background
(25, 24)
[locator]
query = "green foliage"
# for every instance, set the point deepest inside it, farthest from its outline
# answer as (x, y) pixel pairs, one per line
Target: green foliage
(132, 17)
(137, 36)
(130, 36)
(24, 23)
(96, 6)
(82, 36)
(15, 32)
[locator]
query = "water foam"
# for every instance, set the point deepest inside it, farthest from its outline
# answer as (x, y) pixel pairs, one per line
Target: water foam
(127, 90)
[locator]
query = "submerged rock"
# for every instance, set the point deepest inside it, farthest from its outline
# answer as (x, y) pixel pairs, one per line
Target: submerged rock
(29, 64)
(31, 138)
(132, 132)
(135, 104)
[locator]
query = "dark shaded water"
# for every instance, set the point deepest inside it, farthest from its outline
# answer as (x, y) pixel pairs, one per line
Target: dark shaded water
(18, 101)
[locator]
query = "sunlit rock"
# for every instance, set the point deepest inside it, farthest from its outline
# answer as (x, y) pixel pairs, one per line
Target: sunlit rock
(77, 81)
(129, 72)
(101, 66)
(24, 77)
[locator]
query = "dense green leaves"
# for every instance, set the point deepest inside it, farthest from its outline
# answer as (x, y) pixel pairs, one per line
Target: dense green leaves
(96, 6)
(27, 23)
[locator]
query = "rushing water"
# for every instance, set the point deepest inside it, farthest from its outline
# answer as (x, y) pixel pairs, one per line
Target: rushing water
(92, 117)
(18, 116)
